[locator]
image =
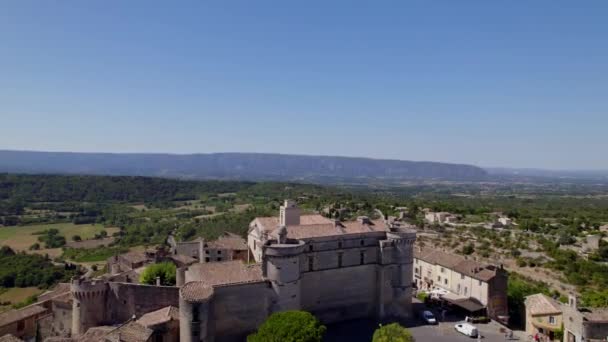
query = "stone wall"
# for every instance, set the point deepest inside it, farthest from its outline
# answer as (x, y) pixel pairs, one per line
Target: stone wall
(238, 310)
(126, 300)
(340, 294)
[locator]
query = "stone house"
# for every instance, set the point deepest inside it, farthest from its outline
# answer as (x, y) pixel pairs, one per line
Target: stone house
(584, 324)
(440, 217)
(477, 288)
(227, 247)
(21, 323)
(543, 316)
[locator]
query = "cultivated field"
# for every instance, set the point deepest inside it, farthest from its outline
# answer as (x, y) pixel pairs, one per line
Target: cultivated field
(17, 295)
(20, 238)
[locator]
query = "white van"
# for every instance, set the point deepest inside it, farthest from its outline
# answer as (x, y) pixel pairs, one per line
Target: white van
(466, 329)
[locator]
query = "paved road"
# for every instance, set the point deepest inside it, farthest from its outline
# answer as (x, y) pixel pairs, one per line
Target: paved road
(363, 330)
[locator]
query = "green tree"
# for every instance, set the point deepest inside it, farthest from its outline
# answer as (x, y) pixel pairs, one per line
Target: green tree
(289, 326)
(164, 270)
(392, 333)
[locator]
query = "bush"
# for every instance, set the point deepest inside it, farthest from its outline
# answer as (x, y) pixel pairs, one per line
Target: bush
(164, 270)
(76, 238)
(392, 333)
(289, 326)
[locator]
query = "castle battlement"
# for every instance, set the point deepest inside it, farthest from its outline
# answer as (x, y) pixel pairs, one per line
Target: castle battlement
(88, 289)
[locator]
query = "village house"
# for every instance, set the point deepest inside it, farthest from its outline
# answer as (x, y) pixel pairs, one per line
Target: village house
(543, 317)
(227, 247)
(21, 323)
(474, 287)
(440, 217)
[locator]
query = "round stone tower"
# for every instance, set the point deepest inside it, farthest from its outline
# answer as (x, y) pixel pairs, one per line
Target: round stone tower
(194, 302)
(88, 304)
(402, 241)
(281, 265)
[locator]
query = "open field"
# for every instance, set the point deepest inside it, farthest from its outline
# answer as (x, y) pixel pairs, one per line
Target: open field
(20, 237)
(17, 295)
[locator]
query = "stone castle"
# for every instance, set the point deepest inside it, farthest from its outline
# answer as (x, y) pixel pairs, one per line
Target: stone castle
(336, 270)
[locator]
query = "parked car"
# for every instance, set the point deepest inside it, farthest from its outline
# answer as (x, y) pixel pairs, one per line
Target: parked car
(428, 317)
(466, 329)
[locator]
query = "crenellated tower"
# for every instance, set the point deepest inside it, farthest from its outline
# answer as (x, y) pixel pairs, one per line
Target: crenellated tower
(396, 272)
(281, 266)
(88, 304)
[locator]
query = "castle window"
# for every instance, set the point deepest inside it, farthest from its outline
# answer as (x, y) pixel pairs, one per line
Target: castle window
(310, 248)
(439, 279)
(206, 259)
(311, 263)
(339, 244)
(207, 251)
(219, 252)
(362, 258)
(195, 313)
(445, 281)
(340, 259)
(362, 242)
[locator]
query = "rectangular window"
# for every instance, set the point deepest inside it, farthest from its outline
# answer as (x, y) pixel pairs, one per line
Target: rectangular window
(480, 283)
(551, 320)
(445, 281)
(439, 279)
(340, 259)
(466, 290)
(219, 259)
(462, 276)
(458, 289)
(416, 270)
(362, 258)
(219, 252)
(207, 259)
(442, 270)
(310, 248)
(311, 263)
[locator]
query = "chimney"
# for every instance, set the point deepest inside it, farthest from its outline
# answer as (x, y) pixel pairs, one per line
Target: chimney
(289, 214)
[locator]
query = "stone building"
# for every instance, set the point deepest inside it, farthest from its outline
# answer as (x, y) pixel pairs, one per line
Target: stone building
(21, 323)
(477, 288)
(227, 247)
(584, 324)
(543, 317)
(335, 270)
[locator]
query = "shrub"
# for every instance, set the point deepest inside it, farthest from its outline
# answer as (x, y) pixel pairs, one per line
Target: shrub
(392, 333)
(164, 270)
(289, 326)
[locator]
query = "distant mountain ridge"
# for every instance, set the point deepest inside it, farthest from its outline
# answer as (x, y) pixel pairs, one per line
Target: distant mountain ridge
(240, 166)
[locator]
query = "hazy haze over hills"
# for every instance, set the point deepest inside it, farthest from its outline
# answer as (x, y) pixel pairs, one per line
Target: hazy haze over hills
(249, 166)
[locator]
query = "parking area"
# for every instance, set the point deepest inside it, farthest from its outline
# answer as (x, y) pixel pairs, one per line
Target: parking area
(363, 330)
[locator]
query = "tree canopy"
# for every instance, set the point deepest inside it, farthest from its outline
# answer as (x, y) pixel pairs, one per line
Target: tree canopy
(392, 333)
(289, 326)
(164, 270)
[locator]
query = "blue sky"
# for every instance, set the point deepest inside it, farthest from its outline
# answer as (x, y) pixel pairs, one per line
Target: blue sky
(492, 83)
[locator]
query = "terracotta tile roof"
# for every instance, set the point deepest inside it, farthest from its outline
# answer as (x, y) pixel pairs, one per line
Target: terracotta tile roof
(135, 257)
(130, 332)
(196, 291)
(225, 272)
(271, 223)
(331, 229)
(13, 316)
(10, 338)
(95, 334)
(457, 263)
(229, 241)
(160, 316)
(596, 315)
(183, 259)
(539, 304)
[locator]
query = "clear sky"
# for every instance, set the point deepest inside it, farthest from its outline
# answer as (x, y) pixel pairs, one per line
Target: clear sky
(492, 83)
